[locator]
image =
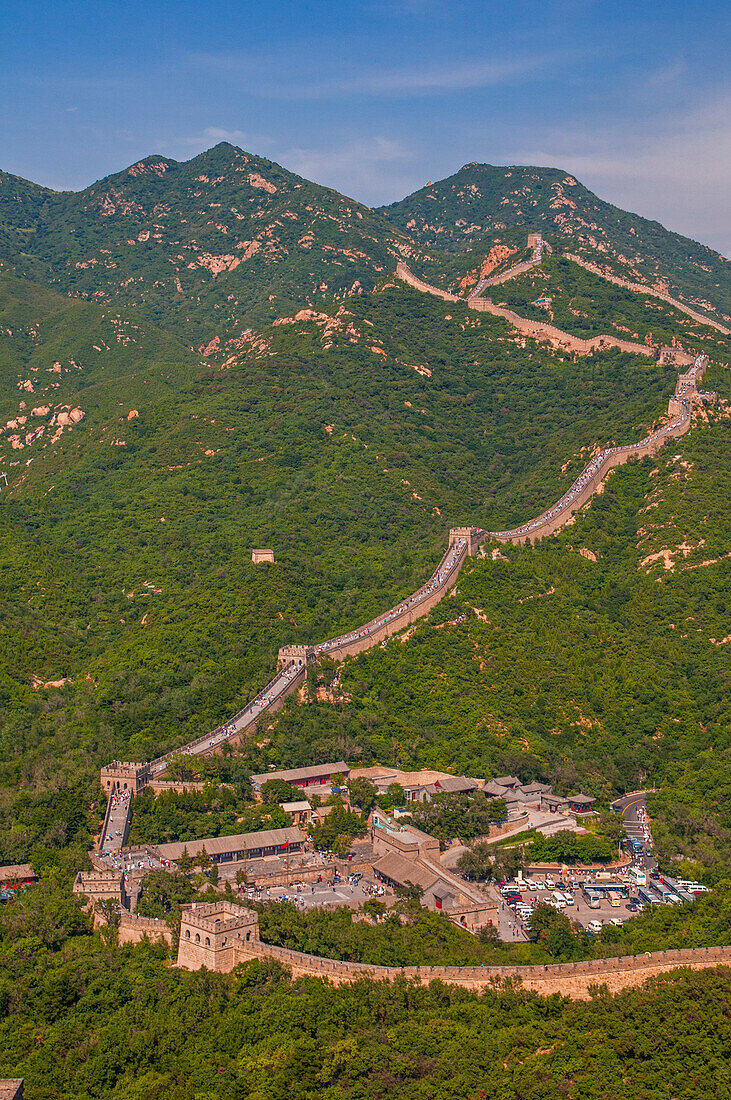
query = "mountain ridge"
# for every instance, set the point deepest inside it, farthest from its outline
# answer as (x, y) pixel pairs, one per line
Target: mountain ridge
(208, 245)
(482, 202)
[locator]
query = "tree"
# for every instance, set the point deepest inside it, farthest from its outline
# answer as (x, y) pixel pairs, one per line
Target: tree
(374, 908)
(277, 790)
(111, 914)
(394, 796)
(203, 860)
(477, 862)
(213, 874)
(489, 935)
(341, 845)
(508, 861)
(184, 862)
(362, 794)
(556, 933)
(241, 876)
(163, 895)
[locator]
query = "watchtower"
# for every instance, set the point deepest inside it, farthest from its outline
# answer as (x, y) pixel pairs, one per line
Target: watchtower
(300, 654)
(211, 934)
(122, 775)
(471, 536)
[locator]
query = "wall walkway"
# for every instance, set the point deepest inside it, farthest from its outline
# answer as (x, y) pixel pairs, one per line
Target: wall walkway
(640, 288)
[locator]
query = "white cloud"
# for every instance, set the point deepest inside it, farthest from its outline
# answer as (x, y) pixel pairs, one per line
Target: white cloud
(372, 166)
(675, 170)
(298, 80)
(216, 133)
(450, 77)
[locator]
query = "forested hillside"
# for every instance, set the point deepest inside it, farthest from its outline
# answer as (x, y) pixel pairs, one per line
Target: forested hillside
(348, 441)
(599, 658)
(201, 358)
(202, 246)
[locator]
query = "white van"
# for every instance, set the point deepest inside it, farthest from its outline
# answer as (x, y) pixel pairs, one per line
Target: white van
(594, 926)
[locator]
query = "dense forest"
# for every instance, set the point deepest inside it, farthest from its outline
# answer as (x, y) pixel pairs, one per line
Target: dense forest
(82, 1019)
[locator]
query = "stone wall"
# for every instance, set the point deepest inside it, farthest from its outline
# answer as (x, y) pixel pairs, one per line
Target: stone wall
(617, 458)
(407, 276)
(575, 980)
(536, 330)
(393, 626)
(539, 330)
(134, 929)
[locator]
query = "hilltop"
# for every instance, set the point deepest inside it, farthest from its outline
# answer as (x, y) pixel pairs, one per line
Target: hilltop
(486, 210)
(209, 246)
(202, 246)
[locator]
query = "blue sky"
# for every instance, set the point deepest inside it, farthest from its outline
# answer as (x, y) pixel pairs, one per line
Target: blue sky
(375, 97)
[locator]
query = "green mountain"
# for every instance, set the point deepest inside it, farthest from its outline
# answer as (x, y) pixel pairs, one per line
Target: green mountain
(209, 246)
(202, 246)
(482, 205)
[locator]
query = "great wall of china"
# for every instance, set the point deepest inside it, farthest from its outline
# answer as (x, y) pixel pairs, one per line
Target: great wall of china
(463, 541)
(221, 935)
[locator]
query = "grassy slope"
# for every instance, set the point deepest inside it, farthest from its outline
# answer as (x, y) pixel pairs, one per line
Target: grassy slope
(482, 202)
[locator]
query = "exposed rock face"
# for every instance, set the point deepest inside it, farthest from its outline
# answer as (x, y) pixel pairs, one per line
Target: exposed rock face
(66, 417)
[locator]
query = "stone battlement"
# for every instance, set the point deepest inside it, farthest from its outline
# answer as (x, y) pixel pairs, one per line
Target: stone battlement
(574, 979)
(212, 934)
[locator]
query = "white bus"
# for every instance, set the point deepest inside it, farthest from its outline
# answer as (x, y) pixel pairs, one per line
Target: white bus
(637, 877)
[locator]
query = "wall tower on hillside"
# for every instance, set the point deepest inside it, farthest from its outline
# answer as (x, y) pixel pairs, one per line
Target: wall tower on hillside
(211, 934)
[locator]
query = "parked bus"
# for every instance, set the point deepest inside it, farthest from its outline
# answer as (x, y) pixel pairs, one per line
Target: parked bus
(614, 899)
(679, 889)
(593, 898)
(648, 896)
(637, 877)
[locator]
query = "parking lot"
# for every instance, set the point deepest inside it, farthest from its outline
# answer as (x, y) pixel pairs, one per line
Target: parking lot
(515, 925)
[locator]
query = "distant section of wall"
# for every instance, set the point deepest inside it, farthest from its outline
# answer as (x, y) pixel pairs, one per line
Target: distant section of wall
(536, 330)
(539, 330)
(408, 276)
(640, 288)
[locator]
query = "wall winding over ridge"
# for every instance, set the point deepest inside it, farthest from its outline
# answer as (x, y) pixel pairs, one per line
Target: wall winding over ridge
(575, 980)
(536, 330)
(640, 288)
(293, 660)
